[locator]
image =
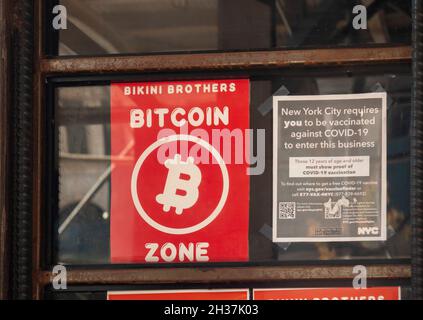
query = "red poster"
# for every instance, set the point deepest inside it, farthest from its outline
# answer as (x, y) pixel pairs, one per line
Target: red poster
(179, 183)
(225, 294)
(376, 293)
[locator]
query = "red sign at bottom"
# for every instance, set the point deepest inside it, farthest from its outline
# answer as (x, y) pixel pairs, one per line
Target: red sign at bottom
(376, 293)
(226, 294)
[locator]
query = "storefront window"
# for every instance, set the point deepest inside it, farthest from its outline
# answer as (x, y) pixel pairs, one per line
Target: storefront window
(214, 147)
(83, 153)
(148, 26)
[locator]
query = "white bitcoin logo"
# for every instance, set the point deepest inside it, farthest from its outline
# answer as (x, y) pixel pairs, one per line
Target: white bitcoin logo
(213, 214)
(174, 182)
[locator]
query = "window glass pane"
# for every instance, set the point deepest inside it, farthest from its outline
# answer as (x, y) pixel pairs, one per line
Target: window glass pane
(99, 27)
(82, 135)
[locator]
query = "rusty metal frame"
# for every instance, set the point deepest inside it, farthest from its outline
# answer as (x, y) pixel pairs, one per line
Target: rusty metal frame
(416, 155)
(38, 168)
(80, 66)
(20, 144)
(226, 61)
(4, 134)
(226, 274)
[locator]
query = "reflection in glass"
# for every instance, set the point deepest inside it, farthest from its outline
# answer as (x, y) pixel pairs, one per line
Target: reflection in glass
(99, 27)
(83, 121)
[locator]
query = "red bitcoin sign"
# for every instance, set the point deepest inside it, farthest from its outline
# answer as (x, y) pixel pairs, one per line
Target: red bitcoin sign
(375, 293)
(179, 183)
(217, 294)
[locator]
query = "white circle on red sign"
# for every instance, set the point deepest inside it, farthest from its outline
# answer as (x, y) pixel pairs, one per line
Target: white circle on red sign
(214, 213)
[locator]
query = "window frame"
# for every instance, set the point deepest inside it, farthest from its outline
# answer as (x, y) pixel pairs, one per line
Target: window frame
(45, 67)
(4, 137)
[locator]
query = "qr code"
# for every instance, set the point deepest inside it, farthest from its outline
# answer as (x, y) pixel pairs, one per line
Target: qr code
(286, 210)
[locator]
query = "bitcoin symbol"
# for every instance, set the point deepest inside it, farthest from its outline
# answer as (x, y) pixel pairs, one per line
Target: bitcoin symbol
(175, 181)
